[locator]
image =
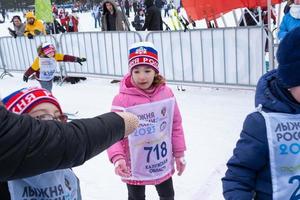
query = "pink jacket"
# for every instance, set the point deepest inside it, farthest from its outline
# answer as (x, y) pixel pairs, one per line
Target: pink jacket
(130, 96)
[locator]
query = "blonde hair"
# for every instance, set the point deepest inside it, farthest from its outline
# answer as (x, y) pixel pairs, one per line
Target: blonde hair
(158, 80)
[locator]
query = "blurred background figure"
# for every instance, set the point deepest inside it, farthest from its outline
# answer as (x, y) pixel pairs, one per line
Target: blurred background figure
(19, 27)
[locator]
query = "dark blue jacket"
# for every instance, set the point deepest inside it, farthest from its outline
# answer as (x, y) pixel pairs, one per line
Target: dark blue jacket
(248, 175)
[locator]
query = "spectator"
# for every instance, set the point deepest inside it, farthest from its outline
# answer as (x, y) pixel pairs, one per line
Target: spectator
(62, 18)
(54, 9)
(112, 18)
(31, 143)
(33, 26)
(153, 21)
(43, 106)
(96, 13)
(265, 161)
(135, 6)
(3, 13)
(56, 29)
(19, 27)
(139, 20)
(159, 4)
(290, 20)
(127, 7)
(72, 22)
(167, 7)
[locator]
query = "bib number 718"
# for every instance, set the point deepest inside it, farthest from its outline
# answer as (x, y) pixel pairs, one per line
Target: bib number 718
(159, 150)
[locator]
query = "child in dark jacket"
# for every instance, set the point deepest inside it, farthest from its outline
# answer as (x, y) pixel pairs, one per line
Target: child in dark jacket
(265, 162)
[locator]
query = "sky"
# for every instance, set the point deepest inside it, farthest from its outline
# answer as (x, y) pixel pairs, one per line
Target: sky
(212, 121)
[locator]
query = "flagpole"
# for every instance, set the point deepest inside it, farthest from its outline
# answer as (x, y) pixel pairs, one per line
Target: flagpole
(270, 38)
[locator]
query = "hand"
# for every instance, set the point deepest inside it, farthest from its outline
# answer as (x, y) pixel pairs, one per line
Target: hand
(80, 60)
(37, 32)
(30, 36)
(25, 78)
(131, 122)
(121, 168)
(180, 165)
(12, 32)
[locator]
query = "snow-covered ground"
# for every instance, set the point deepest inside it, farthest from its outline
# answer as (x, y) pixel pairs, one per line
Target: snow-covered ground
(212, 120)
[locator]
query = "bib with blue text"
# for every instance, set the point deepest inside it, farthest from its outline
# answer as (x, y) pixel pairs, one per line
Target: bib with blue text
(150, 145)
(283, 131)
(54, 185)
(47, 68)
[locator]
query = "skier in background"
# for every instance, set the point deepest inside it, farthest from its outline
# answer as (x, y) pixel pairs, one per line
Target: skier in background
(44, 66)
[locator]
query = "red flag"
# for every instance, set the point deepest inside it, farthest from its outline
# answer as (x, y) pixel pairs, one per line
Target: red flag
(212, 9)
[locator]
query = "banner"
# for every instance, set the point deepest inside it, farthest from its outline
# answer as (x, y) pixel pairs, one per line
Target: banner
(212, 9)
(43, 10)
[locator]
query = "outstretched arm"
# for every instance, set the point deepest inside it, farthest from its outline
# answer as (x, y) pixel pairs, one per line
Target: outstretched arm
(29, 147)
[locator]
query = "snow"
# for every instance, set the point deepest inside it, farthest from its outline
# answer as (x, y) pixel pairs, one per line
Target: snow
(212, 120)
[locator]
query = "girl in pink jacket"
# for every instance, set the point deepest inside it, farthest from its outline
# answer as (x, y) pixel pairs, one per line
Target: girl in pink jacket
(147, 157)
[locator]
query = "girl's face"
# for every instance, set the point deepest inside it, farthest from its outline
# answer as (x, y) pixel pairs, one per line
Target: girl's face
(143, 76)
(51, 54)
(47, 111)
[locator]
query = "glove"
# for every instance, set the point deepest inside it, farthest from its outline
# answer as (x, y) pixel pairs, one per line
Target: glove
(80, 60)
(25, 78)
(121, 168)
(12, 32)
(180, 165)
(30, 36)
(37, 32)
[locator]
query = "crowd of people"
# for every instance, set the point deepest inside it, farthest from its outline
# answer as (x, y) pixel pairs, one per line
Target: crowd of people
(110, 15)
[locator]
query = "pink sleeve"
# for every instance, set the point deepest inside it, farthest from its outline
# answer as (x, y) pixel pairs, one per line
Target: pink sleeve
(178, 140)
(116, 151)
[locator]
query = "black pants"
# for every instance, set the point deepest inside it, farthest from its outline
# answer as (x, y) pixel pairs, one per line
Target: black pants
(165, 191)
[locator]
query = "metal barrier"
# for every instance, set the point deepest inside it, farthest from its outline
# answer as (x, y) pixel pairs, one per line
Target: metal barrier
(225, 56)
(17, 54)
(106, 52)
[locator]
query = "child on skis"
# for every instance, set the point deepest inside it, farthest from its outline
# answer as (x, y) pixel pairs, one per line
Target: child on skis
(147, 158)
(59, 184)
(44, 66)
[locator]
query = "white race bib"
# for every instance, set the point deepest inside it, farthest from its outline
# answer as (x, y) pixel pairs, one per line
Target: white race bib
(283, 131)
(58, 184)
(151, 144)
(47, 68)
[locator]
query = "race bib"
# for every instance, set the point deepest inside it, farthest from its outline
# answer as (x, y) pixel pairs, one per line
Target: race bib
(150, 145)
(47, 68)
(283, 131)
(54, 185)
